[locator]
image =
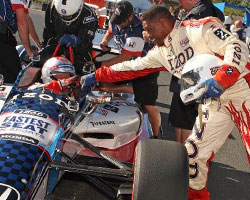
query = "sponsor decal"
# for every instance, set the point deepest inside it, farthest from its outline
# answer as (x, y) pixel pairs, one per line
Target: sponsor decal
(237, 53)
(111, 108)
(89, 19)
(24, 125)
(90, 33)
(8, 193)
(3, 94)
(177, 24)
(169, 38)
(31, 112)
(118, 103)
(102, 112)
(179, 60)
(132, 44)
(66, 67)
(72, 106)
(229, 71)
(221, 34)
(184, 42)
(101, 31)
(102, 123)
(21, 138)
(171, 52)
(194, 167)
(215, 90)
(63, 11)
(213, 70)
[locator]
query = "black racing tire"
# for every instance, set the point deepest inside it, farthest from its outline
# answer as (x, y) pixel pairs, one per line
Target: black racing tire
(160, 171)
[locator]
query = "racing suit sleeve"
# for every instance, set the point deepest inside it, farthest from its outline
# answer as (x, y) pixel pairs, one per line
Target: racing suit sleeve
(223, 43)
(48, 31)
(129, 70)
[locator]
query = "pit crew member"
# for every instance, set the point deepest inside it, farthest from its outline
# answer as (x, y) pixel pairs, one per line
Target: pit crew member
(177, 42)
(126, 29)
(71, 23)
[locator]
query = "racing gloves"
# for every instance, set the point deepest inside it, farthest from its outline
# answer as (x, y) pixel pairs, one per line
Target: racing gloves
(213, 89)
(225, 77)
(69, 40)
(60, 86)
(87, 81)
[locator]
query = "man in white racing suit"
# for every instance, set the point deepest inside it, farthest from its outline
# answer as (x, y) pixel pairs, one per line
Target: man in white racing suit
(177, 42)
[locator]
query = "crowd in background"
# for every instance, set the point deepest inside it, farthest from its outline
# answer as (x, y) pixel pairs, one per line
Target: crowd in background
(241, 30)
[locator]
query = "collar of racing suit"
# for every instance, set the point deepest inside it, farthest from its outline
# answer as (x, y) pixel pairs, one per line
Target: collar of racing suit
(168, 37)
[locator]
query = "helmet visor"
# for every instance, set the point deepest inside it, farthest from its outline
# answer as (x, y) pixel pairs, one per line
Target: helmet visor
(191, 78)
(60, 75)
(188, 82)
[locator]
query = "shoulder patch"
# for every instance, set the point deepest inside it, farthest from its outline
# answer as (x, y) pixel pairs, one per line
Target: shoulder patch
(89, 19)
(221, 34)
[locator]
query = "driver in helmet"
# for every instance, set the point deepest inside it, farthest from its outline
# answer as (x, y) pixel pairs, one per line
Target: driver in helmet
(56, 68)
(71, 23)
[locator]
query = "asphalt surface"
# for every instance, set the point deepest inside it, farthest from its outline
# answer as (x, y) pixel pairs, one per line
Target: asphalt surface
(229, 177)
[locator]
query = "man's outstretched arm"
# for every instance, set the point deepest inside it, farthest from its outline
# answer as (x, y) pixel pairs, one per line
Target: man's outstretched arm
(129, 70)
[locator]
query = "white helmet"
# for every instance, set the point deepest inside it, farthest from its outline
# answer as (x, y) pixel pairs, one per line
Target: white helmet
(57, 68)
(228, 20)
(197, 70)
(69, 10)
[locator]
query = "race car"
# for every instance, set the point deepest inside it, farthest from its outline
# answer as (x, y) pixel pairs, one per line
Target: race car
(102, 137)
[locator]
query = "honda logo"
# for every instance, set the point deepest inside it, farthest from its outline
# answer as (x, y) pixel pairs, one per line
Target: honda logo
(8, 193)
(132, 44)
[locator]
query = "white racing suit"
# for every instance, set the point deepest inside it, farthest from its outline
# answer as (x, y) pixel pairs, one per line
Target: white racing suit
(187, 39)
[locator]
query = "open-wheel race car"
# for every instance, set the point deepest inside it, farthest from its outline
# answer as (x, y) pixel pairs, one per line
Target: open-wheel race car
(43, 135)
